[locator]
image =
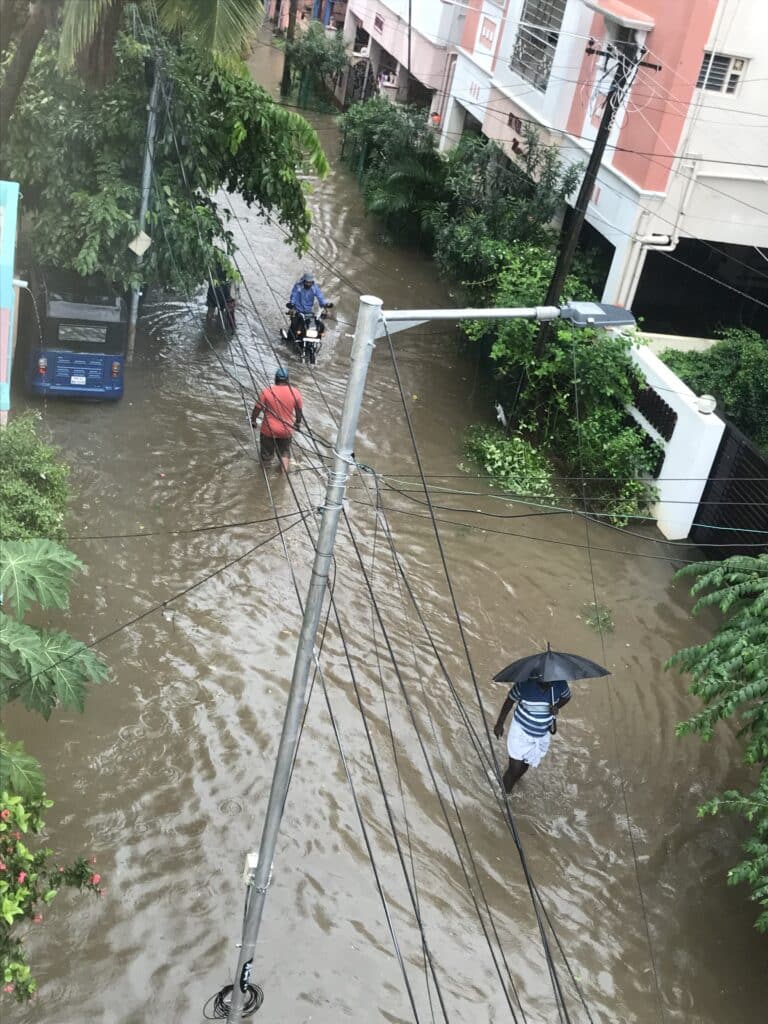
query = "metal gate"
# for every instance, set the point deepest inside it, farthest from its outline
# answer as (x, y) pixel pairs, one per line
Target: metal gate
(733, 511)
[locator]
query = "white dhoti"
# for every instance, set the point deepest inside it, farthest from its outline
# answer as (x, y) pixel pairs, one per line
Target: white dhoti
(522, 747)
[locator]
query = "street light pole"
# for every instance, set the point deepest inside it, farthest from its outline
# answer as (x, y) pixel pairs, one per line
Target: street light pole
(146, 188)
(372, 322)
(362, 347)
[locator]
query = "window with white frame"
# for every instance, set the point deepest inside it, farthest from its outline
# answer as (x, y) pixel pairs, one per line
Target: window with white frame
(537, 36)
(720, 72)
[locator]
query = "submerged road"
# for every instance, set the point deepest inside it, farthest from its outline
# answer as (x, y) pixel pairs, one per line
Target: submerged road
(165, 777)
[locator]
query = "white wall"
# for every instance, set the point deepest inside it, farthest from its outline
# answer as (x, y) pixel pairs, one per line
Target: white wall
(728, 202)
(689, 453)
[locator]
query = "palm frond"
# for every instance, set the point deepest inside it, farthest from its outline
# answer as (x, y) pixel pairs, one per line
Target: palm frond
(79, 25)
(222, 27)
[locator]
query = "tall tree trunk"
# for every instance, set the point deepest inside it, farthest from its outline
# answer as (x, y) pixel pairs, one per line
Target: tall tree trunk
(40, 12)
(285, 84)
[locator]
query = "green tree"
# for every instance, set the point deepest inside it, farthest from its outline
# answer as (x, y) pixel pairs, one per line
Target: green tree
(594, 440)
(729, 674)
(42, 668)
(493, 202)
(735, 371)
(33, 484)
(318, 58)
(89, 28)
(39, 667)
(79, 154)
(399, 166)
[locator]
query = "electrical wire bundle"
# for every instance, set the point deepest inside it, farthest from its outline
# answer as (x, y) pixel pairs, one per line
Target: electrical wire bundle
(317, 450)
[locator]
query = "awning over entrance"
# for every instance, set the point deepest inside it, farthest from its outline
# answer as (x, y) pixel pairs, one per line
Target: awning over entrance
(622, 14)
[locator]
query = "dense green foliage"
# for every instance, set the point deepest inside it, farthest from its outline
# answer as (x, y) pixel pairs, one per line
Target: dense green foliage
(488, 222)
(33, 484)
(492, 204)
(730, 675)
(735, 371)
(571, 400)
(510, 461)
(79, 153)
(29, 882)
(40, 667)
(395, 154)
(222, 29)
(316, 57)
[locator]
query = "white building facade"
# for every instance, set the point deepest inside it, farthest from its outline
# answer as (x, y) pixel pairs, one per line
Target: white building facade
(688, 152)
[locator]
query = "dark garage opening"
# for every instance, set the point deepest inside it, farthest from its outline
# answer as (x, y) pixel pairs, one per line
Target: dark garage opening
(701, 287)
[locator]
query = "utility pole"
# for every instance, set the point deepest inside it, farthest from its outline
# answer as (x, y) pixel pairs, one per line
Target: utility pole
(372, 323)
(626, 65)
(285, 82)
(146, 188)
(362, 347)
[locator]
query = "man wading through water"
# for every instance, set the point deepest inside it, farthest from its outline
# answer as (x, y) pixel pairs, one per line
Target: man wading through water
(282, 407)
(534, 722)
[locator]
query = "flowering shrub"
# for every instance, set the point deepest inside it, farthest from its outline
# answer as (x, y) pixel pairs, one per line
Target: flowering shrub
(29, 881)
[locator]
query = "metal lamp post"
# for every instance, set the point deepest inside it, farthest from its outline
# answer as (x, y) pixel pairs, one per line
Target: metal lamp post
(372, 322)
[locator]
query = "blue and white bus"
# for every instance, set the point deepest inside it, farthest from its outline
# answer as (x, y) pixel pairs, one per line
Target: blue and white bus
(78, 336)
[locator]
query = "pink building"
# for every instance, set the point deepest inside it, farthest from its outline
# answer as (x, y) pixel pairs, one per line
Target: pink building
(680, 210)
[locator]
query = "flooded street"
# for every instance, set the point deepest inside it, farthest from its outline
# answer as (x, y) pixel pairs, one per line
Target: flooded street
(165, 777)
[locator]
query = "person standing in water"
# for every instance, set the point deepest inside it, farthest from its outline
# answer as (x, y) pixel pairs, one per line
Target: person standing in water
(537, 704)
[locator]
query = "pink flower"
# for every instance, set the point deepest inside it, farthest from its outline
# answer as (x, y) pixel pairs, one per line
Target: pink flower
(22, 877)
(61, 871)
(7, 988)
(16, 835)
(95, 879)
(37, 918)
(5, 814)
(2, 866)
(93, 860)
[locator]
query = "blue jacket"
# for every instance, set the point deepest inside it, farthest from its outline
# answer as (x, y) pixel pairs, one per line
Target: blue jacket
(304, 298)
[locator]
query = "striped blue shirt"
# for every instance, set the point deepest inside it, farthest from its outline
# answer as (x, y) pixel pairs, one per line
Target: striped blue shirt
(533, 708)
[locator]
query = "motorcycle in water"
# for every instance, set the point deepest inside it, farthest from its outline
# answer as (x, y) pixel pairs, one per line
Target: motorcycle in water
(305, 332)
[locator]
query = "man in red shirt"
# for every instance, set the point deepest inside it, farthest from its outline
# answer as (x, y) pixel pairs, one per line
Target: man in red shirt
(282, 407)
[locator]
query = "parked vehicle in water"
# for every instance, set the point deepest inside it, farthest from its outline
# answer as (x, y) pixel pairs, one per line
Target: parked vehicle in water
(305, 332)
(78, 334)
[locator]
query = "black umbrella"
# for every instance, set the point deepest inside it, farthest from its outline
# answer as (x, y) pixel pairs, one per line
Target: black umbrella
(550, 666)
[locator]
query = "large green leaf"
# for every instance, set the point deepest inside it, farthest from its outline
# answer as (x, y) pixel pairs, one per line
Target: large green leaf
(20, 773)
(35, 571)
(54, 667)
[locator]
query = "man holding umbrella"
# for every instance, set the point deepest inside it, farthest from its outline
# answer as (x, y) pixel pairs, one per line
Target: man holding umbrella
(539, 690)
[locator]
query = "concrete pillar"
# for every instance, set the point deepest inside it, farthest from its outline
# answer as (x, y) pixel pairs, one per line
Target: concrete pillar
(452, 126)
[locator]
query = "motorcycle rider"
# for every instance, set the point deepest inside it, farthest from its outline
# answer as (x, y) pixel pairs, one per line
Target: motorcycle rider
(302, 303)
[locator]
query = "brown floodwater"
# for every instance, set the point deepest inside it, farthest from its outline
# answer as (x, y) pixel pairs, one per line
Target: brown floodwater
(165, 777)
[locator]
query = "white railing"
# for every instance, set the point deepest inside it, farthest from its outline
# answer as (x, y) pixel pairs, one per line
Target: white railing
(689, 452)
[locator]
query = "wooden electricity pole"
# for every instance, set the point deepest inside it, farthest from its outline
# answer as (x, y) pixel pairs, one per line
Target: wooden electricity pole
(626, 64)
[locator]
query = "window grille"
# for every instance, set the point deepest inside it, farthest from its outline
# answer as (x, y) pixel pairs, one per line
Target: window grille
(534, 49)
(720, 73)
